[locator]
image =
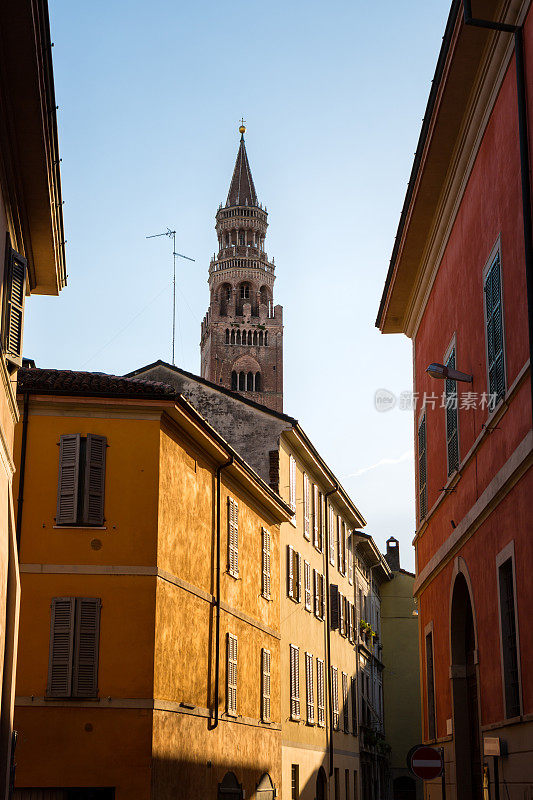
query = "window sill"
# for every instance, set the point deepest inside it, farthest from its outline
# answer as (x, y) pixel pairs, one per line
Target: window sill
(79, 527)
(232, 714)
(268, 599)
(294, 600)
(232, 575)
(53, 698)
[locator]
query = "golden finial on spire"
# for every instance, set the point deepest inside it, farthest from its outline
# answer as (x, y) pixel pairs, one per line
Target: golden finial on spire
(242, 127)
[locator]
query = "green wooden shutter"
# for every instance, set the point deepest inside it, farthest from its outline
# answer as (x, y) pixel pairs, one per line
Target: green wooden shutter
(61, 647)
(69, 470)
(86, 647)
(422, 469)
(494, 331)
(15, 291)
(94, 489)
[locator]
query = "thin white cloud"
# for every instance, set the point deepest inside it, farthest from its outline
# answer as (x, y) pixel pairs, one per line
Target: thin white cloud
(383, 462)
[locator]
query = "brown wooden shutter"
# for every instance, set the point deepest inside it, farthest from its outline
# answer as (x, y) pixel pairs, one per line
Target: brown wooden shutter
(320, 690)
(93, 499)
(316, 589)
(86, 646)
(15, 291)
(233, 538)
(69, 470)
(265, 580)
(334, 602)
(265, 707)
(290, 575)
(341, 615)
(61, 647)
(231, 676)
(299, 583)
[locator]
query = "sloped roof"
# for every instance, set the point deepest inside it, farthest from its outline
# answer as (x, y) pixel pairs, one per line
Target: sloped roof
(69, 382)
(242, 189)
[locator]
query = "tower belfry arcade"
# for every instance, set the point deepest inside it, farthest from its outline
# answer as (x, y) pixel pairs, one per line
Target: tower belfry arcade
(242, 332)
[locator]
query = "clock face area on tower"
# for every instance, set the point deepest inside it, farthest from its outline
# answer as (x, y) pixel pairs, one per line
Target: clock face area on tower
(242, 332)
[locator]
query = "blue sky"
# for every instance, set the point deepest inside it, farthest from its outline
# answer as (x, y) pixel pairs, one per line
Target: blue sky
(150, 95)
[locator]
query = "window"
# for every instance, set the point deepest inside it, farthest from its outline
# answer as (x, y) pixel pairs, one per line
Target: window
(494, 329)
(231, 675)
(345, 702)
(335, 697)
(242, 382)
(342, 615)
(233, 538)
(320, 595)
(265, 687)
(430, 681)
(320, 692)
(354, 705)
(74, 645)
(265, 574)
(452, 419)
(355, 795)
(331, 532)
(307, 533)
(309, 689)
(81, 482)
(294, 574)
(347, 783)
(292, 483)
(295, 681)
(508, 639)
(337, 784)
(317, 522)
(250, 382)
(257, 380)
(227, 335)
(307, 585)
(13, 312)
(351, 622)
(295, 782)
(350, 562)
(233, 378)
(334, 604)
(422, 469)
(241, 243)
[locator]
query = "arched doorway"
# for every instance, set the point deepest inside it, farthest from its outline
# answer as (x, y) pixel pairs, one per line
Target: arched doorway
(468, 765)
(265, 788)
(321, 785)
(404, 788)
(229, 788)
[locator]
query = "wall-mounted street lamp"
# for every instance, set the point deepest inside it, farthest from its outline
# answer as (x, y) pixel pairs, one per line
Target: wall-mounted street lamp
(441, 372)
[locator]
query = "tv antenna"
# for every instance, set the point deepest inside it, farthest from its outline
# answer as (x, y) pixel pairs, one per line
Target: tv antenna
(172, 235)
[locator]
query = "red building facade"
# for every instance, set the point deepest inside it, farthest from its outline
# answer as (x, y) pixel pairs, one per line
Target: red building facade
(457, 286)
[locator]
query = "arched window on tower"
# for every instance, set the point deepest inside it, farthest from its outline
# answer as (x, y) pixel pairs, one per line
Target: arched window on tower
(257, 381)
(234, 380)
(238, 337)
(250, 382)
(224, 297)
(250, 338)
(260, 338)
(241, 238)
(227, 335)
(233, 337)
(255, 337)
(266, 338)
(242, 382)
(245, 291)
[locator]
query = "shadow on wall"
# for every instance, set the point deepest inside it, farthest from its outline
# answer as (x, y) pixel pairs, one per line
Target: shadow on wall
(212, 780)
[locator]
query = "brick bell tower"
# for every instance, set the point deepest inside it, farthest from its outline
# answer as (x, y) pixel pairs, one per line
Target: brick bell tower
(242, 332)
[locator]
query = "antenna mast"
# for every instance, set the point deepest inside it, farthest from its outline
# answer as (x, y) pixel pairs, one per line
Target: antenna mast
(172, 235)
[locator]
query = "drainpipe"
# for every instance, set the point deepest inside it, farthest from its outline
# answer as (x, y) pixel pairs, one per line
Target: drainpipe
(517, 30)
(217, 595)
(20, 500)
(328, 633)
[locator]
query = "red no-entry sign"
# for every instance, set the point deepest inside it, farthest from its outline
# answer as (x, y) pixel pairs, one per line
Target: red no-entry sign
(425, 762)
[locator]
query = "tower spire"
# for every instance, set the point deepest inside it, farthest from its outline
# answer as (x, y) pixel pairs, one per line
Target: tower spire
(242, 189)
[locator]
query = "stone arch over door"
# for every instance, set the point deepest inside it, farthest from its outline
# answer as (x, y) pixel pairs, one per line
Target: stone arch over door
(321, 785)
(465, 685)
(265, 789)
(229, 788)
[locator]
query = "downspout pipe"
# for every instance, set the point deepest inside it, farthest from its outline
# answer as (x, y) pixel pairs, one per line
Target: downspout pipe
(22, 471)
(517, 31)
(217, 593)
(328, 631)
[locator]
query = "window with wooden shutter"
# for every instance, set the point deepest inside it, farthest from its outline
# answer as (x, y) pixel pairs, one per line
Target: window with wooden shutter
(298, 585)
(295, 681)
(292, 483)
(509, 640)
(430, 686)
(14, 295)
(290, 571)
(345, 710)
(335, 697)
(265, 575)
(74, 647)
(323, 596)
(309, 689)
(331, 534)
(494, 330)
(307, 531)
(351, 622)
(316, 517)
(316, 592)
(265, 694)
(68, 481)
(350, 560)
(231, 675)
(340, 540)
(93, 496)
(422, 469)
(81, 480)
(334, 606)
(307, 585)
(342, 616)
(320, 693)
(452, 418)
(233, 537)
(354, 704)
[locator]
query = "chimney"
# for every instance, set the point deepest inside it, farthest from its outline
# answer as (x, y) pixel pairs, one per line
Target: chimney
(392, 556)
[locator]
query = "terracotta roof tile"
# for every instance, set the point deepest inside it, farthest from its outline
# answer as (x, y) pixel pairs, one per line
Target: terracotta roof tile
(64, 381)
